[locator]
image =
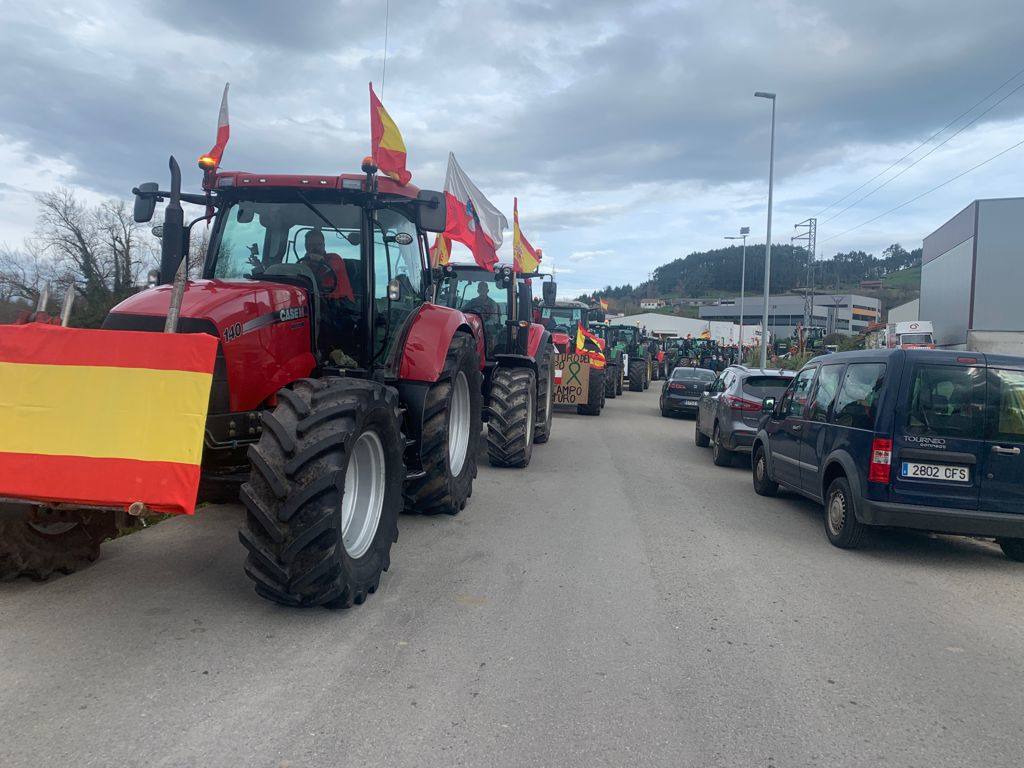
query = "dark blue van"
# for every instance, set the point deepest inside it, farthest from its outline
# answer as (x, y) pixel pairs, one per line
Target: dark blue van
(911, 438)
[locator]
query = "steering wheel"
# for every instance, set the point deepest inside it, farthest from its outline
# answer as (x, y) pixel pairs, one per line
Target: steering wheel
(325, 276)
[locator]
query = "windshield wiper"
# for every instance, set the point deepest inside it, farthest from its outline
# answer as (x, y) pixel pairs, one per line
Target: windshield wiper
(317, 212)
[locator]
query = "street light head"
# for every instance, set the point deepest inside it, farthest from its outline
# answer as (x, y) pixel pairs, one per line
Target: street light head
(744, 230)
(764, 95)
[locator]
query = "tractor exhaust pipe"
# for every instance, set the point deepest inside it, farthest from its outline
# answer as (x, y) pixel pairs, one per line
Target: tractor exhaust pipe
(172, 262)
(44, 298)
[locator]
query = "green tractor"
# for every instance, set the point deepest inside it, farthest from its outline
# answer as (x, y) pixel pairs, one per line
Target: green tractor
(560, 318)
(636, 356)
(613, 353)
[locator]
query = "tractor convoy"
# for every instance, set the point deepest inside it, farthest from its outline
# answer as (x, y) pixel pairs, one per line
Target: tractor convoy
(347, 378)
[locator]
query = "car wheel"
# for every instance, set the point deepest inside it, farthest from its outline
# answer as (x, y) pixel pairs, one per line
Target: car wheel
(763, 484)
(699, 438)
(841, 524)
(1012, 548)
(719, 455)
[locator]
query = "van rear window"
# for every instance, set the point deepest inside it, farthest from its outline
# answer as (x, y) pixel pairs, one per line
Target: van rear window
(857, 401)
(766, 386)
(947, 401)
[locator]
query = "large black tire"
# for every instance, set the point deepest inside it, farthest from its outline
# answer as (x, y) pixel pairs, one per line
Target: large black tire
(512, 413)
(609, 381)
(842, 527)
(295, 496)
(763, 483)
(38, 551)
(618, 379)
(439, 490)
(595, 394)
(1012, 548)
(722, 457)
(637, 372)
(545, 398)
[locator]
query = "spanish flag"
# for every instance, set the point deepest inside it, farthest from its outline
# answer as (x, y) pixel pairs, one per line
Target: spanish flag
(440, 251)
(524, 258)
(590, 345)
(103, 418)
(386, 145)
(604, 304)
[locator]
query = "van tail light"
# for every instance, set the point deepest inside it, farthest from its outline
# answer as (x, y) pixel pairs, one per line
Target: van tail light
(742, 404)
(881, 460)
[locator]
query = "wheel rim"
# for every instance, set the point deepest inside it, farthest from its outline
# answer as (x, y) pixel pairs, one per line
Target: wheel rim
(531, 409)
(714, 441)
(52, 529)
(458, 424)
(836, 513)
(363, 500)
(759, 468)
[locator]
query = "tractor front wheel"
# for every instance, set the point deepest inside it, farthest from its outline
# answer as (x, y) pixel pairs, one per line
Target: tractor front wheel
(609, 381)
(451, 434)
(33, 547)
(324, 493)
(512, 413)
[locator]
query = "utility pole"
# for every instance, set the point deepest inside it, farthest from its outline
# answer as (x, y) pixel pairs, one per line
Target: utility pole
(768, 234)
(744, 231)
(809, 237)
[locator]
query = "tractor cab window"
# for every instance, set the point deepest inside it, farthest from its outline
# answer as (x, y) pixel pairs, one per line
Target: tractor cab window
(562, 319)
(486, 299)
(398, 276)
(316, 244)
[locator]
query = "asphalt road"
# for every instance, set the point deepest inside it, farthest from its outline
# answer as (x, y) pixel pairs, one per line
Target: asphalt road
(621, 603)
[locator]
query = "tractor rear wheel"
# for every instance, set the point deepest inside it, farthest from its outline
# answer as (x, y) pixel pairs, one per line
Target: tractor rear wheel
(324, 493)
(545, 399)
(451, 434)
(512, 415)
(595, 394)
(637, 369)
(32, 547)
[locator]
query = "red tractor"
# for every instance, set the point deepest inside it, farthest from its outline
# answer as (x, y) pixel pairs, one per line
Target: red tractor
(342, 393)
(519, 371)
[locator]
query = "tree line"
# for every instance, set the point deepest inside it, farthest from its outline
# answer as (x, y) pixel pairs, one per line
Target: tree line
(718, 271)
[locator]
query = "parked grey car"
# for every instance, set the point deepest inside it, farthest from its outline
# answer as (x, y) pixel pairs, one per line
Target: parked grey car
(729, 411)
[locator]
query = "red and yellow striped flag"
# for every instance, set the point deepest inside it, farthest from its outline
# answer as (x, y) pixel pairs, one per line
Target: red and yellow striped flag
(386, 144)
(103, 418)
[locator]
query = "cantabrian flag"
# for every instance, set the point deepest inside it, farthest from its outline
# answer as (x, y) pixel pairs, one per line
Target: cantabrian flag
(386, 144)
(103, 418)
(524, 258)
(440, 251)
(590, 345)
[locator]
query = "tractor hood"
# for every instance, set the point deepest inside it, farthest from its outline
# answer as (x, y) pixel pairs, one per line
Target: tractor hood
(220, 302)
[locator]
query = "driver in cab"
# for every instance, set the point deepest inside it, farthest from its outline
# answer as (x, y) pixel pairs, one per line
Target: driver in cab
(329, 268)
(483, 304)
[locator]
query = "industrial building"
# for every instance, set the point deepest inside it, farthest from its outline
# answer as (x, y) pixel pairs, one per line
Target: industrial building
(847, 314)
(971, 271)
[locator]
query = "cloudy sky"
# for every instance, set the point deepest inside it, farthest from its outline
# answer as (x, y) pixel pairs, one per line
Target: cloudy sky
(628, 130)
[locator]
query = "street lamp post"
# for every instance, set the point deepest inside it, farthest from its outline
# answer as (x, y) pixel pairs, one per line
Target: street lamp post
(744, 231)
(768, 236)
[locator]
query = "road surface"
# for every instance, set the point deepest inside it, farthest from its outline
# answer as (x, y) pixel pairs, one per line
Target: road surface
(621, 603)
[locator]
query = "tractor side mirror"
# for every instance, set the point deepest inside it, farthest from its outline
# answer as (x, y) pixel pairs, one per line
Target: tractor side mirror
(431, 211)
(394, 290)
(549, 291)
(145, 201)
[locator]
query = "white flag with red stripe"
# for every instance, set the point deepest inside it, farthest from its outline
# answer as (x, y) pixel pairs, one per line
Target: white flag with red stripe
(212, 158)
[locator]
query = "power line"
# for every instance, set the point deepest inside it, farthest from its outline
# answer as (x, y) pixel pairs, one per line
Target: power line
(943, 128)
(926, 154)
(928, 192)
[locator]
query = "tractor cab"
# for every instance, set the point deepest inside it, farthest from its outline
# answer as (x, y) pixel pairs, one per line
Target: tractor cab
(563, 316)
(502, 299)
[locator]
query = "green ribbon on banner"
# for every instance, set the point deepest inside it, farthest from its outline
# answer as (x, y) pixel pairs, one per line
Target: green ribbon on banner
(574, 370)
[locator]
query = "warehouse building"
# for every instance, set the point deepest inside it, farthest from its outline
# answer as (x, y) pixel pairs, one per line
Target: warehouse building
(971, 271)
(847, 314)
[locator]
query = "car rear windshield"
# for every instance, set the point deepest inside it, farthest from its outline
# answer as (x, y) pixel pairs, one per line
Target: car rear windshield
(947, 401)
(766, 386)
(693, 374)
